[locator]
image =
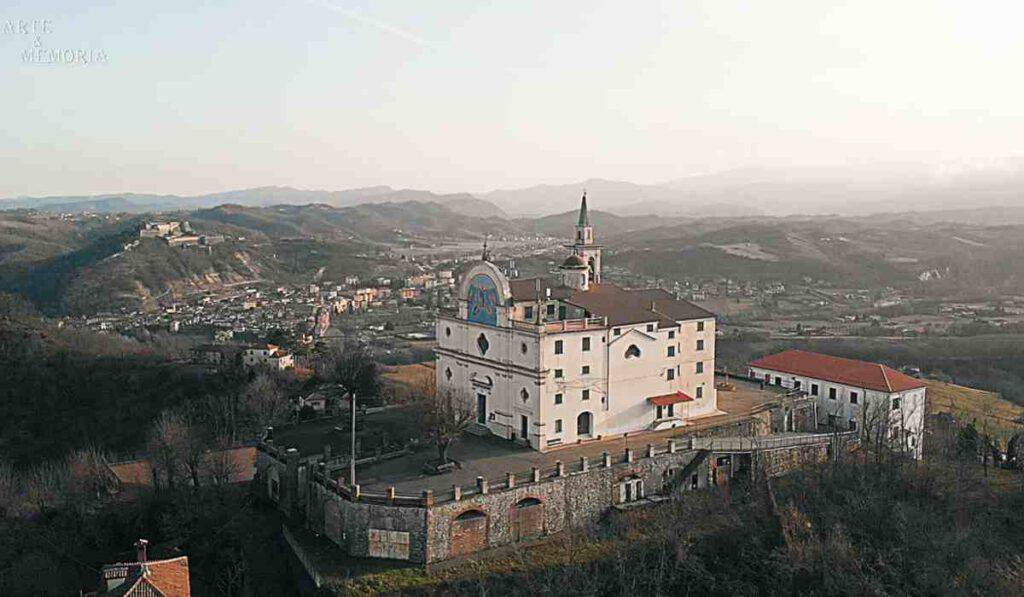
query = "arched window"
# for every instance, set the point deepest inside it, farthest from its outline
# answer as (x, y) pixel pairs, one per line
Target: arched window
(448, 373)
(633, 352)
(447, 331)
(524, 394)
(522, 347)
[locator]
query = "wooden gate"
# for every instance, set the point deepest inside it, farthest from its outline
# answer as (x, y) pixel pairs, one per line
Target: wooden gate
(527, 519)
(469, 532)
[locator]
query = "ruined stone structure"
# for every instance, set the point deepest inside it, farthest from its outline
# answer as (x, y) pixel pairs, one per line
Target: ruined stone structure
(527, 505)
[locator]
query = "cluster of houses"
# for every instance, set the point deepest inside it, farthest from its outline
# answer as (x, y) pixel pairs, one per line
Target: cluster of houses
(178, 234)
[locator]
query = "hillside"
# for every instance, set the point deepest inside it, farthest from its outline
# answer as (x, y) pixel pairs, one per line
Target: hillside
(987, 409)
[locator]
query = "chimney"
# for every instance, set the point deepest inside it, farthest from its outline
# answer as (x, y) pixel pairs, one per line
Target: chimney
(140, 550)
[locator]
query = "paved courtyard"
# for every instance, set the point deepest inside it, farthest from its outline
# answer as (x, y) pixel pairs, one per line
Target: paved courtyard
(491, 457)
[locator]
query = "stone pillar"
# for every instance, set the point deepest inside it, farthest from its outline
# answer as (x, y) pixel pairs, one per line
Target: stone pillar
(629, 454)
(584, 464)
(481, 484)
(535, 474)
(428, 498)
(650, 450)
(510, 480)
(456, 493)
(559, 469)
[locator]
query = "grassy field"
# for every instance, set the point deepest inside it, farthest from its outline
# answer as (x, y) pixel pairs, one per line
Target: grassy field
(968, 404)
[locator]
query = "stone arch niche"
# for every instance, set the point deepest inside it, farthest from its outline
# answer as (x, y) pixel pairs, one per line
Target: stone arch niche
(468, 532)
(527, 518)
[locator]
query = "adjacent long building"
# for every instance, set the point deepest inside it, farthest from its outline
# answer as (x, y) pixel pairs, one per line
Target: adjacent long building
(555, 361)
(853, 395)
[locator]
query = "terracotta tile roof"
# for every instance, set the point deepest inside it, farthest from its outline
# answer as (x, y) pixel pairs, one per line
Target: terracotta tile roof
(623, 306)
(673, 398)
(156, 578)
(525, 289)
(851, 372)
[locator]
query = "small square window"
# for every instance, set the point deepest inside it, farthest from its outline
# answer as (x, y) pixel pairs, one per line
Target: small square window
(586, 344)
(671, 334)
(700, 345)
(700, 326)
(700, 366)
(586, 395)
(558, 425)
(814, 389)
(700, 392)
(551, 310)
(528, 313)
(585, 370)
(617, 331)
(896, 403)
(832, 393)
(559, 346)
(558, 398)
(671, 351)
(558, 373)
(671, 374)
(650, 327)
(853, 397)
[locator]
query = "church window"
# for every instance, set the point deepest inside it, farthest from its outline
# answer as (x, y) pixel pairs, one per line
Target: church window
(559, 347)
(482, 344)
(586, 344)
(633, 352)
(447, 331)
(522, 347)
(524, 394)
(448, 373)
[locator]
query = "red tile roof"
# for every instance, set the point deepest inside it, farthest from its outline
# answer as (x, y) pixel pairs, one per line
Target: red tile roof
(851, 372)
(673, 398)
(156, 578)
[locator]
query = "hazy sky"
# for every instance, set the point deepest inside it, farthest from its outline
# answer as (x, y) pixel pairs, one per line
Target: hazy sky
(199, 97)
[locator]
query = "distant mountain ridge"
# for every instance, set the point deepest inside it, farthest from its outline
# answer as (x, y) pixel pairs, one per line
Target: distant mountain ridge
(463, 203)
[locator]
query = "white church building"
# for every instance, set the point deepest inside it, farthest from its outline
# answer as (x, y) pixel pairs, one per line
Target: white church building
(558, 361)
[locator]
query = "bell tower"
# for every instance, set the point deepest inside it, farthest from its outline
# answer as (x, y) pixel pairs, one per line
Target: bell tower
(583, 244)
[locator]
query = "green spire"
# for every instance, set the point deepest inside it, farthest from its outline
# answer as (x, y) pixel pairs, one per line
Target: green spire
(584, 218)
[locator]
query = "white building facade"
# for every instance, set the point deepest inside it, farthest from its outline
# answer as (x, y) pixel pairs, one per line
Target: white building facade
(555, 362)
(853, 395)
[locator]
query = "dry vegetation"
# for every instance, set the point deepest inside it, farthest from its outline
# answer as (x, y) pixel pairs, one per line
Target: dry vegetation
(968, 404)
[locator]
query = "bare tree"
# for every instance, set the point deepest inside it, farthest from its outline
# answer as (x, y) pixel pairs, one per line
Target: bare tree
(45, 484)
(265, 401)
(167, 446)
(89, 473)
(219, 464)
(193, 450)
(356, 372)
(447, 417)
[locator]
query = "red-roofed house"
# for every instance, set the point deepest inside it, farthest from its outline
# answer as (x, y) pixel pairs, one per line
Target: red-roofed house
(852, 394)
(145, 577)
